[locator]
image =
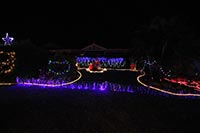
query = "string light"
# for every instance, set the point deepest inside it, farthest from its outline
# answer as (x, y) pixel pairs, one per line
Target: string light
(153, 63)
(62, 67)
(191, 84)
(104, 62)
(45, 82)
(8, 65)
(105, 86)
(165, 91)
(96, 71)
(7, 40)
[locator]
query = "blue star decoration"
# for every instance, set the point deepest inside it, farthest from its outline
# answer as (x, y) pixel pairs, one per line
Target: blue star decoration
(7, 40)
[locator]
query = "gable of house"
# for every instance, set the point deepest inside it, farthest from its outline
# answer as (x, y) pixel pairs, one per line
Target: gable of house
(93, 47)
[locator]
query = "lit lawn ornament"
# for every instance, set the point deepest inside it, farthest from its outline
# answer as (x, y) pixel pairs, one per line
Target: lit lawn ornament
(132, 66)
(7, 58)
(90, 66)
(58, 67)
(7, 40)
(94, 67)
(7, 62)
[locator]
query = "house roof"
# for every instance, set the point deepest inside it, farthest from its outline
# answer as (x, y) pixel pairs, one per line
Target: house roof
(93, 47)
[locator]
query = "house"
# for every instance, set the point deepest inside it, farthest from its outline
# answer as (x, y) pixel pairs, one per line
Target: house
(94, 50)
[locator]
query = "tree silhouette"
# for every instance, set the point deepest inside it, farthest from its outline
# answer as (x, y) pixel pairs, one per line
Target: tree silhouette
(163, 34)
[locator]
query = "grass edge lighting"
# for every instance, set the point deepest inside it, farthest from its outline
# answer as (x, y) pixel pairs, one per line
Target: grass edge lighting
(47, 83)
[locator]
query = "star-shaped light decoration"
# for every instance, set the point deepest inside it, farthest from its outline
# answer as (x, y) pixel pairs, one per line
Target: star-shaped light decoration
(7, 40)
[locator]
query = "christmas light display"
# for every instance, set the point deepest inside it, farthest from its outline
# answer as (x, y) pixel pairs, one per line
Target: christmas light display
(7, 84)
(7, 65)
(7, 40)
(101, 70)
(133, 66)
(102, 86)
(46, 82)
(98, 86)
(104, 62)
(108, 86)
(191, 84)
(95, 67)
(148, 63)
(166, 91)
(168, 77)
(58, 67)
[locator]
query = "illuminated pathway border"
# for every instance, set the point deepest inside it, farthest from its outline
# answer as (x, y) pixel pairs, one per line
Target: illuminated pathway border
(52, 85)
(164, 91)
(100, 71)
(106, 69)
(4, 84)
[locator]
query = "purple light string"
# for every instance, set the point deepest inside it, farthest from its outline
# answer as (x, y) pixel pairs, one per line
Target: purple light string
(104, 61)
(101, 86)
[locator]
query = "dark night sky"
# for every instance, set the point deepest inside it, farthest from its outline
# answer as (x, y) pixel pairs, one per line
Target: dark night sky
(79, 25)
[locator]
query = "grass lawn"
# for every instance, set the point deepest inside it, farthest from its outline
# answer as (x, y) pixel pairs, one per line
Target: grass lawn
(59, 110)
(33, 109)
